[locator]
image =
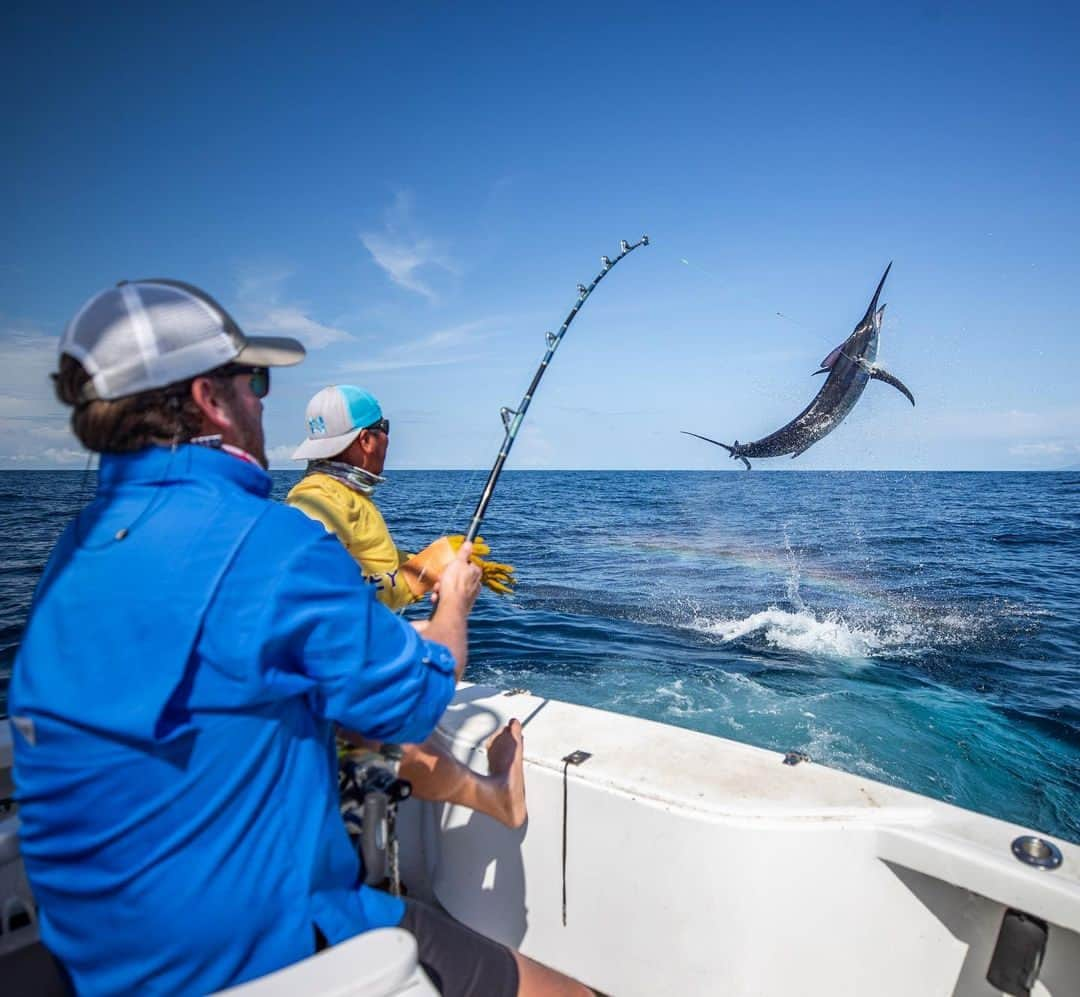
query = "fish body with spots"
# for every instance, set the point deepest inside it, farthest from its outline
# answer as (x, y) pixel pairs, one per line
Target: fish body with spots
(850, 368)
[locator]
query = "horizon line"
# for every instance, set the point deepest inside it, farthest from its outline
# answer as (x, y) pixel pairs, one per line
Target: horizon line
(653, 470)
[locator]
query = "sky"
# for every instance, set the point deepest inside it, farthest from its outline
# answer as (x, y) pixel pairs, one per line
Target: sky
(414, 190)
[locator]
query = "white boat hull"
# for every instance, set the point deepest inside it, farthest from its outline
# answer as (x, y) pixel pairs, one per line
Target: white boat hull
(698, 865)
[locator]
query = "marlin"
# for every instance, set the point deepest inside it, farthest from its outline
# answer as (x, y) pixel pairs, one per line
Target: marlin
(851, 366)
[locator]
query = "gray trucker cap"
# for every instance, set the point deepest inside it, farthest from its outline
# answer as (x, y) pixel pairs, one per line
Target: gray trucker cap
(145, 334)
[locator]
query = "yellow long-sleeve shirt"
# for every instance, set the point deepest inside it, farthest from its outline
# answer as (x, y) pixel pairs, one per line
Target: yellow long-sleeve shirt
(356, 521)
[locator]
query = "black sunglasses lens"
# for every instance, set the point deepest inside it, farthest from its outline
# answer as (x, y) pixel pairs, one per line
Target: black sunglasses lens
(260, 382)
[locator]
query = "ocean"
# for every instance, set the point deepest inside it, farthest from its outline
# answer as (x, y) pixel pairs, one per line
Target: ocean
(922, 629)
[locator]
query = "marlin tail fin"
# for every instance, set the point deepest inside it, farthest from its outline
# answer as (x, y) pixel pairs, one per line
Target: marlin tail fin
(729, 449)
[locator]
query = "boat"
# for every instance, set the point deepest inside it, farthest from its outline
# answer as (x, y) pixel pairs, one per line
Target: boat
(658, 860)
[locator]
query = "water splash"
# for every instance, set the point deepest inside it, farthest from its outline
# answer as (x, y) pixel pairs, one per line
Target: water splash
(794, 574)
(801, 632)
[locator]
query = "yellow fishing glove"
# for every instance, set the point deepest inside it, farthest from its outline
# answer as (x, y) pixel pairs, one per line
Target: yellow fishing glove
(423, 570)
(496, 576)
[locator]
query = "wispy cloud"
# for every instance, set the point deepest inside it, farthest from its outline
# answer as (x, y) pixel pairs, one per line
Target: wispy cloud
(602, 413)
(1033, 437)
(40, 430)
(291, 321)
(437, 349)
(1047, 449)
(15, 407)
(402, 251)
(281, 457)
(1004, 426)
(261, 310)
(534, 448)
(27, 357)
(51, 456)
(262, 282)
(33, 424)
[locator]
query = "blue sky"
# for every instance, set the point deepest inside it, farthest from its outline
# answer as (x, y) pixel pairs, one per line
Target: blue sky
(415, 189)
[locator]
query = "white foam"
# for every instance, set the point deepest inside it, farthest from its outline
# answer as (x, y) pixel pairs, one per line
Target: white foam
(830, 747)
(680, 703)
(803, 632)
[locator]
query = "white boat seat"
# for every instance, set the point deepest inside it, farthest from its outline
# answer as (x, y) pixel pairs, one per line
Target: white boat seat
(380, 963)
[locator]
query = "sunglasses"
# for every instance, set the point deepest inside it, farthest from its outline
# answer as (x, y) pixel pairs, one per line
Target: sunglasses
(383, 426)
(260, 377)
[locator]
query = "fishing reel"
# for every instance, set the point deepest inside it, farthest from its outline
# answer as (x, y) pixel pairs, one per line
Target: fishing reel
(370, 790)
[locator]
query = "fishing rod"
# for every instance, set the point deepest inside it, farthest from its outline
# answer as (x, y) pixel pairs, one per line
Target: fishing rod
(512, 418)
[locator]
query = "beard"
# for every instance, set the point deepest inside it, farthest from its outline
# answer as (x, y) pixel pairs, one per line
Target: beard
(246, 431)
(253, 440)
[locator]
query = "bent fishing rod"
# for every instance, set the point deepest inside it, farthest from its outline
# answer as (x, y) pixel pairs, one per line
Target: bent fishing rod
(512, 418)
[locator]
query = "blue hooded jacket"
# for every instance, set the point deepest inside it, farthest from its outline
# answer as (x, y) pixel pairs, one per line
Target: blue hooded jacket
(190, 647)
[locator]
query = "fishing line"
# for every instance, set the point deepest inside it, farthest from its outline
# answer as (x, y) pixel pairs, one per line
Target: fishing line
(512, 418)
(463, 492)
(690, 264)
(798, 325)
(465, 489)
(85, 478)
(693, 266)
(684, 261)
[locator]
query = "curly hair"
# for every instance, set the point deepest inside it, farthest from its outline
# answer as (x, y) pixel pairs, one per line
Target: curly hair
(161, 417)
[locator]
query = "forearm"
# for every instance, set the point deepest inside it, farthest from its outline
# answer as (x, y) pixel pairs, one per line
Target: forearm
(458, 588)
(449, 627)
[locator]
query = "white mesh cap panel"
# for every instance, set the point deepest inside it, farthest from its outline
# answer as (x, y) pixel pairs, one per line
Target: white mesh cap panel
(100, 336)
(188, 336)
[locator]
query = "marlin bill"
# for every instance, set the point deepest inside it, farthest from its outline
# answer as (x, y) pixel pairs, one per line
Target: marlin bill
(850, 367)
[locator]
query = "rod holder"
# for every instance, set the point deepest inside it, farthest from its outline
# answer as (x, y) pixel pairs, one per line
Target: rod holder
(1035, 851)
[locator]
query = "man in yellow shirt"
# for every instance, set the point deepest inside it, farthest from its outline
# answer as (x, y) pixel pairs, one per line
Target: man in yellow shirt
(347, 439)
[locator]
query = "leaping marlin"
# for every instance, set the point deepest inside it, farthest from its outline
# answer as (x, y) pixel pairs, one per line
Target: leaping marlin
(850, 368)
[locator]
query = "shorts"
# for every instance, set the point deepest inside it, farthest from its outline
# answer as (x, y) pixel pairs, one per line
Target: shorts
(460, 961)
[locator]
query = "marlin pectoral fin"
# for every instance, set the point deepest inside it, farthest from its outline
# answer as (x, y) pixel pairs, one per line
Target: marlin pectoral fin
(744, 460)
(824, 370)
(830, 361)
(880, 374)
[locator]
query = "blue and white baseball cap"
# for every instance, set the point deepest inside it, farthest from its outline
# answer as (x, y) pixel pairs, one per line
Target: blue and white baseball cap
(335, 417)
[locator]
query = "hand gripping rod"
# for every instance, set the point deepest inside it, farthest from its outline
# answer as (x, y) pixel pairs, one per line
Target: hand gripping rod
(512, 418)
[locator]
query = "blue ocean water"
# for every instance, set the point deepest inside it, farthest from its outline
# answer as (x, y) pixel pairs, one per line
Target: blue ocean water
(922, 629)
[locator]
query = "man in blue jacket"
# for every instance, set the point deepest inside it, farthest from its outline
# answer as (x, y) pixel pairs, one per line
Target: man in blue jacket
(190, 648)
